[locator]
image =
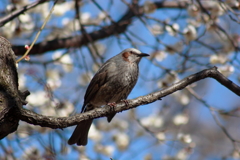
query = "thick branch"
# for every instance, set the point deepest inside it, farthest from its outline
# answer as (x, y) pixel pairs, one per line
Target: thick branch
(63, 122)
(9, 94)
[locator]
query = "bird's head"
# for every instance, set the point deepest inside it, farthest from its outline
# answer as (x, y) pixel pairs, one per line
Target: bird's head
(132, 55)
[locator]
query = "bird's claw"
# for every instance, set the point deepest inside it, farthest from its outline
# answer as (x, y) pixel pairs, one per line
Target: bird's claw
(112, 105)
(125, 101)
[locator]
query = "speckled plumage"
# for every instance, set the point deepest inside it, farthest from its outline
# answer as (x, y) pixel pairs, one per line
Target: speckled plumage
(112, 83)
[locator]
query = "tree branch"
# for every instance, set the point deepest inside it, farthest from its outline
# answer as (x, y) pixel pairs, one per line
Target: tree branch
(119, 27)
(63, 122)
(16, 13)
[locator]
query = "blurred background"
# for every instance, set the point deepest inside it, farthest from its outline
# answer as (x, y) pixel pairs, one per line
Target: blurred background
(182, 38)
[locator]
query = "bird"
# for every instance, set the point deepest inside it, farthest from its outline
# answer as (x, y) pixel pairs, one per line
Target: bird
(112, 83)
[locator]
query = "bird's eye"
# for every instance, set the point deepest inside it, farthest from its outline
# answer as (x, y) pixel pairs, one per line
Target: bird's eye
(131, 52)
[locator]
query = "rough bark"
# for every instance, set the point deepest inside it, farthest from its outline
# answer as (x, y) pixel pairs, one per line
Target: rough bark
(10, 97)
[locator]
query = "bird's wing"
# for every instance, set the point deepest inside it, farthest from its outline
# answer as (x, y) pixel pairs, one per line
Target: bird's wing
(99, 79)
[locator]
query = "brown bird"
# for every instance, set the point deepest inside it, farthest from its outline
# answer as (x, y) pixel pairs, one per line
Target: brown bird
(112, 83)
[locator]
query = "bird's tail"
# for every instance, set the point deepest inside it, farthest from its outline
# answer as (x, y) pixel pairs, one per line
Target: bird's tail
(80, 134)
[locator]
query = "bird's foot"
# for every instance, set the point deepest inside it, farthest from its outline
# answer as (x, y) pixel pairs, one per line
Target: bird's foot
(125, 101)
(112, 105)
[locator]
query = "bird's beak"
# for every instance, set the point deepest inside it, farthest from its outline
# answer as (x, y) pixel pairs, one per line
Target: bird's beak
(143, 55)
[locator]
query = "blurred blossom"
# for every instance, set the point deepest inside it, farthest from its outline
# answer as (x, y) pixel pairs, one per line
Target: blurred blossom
(83, 157)
(148, 157)
(236, 154)
(168, 79)
(95, 67)
(94, 134)
(85, 78)
(194, 22)
(65, 109)
(155, 121)
(190, 33)
(149, 7)
(218, 59)
(185, 138)
(85, 17)
(182, 155)
(101, 125)
(42, 9)
(173, 29)
(8, 29)
(216, 8)
(156, 29)
(204, 18)
(102, 16)
(53, 79)
(159, 55)
(37, 98)
(106, 150)
(226, 70)
(232, 3)
(22, 2)
(161, 136)
(50, 108)
(24, 130)
(180, 119)
(61, 8)
(25, 18)
(229, 45)
(172, 49)
(120, 124)
(182, 97)
(31, 153)
(122, 141)
(65, 60)
(22, 81)
(100, 48)
(65, 21)
(193, 10)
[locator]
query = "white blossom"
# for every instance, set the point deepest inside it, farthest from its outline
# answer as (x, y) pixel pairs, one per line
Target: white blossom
(216, 8)
(190, 33)
(37, 98)
(106, 150)
(25, 18)
(181, 97)
(8, 29)
(236, 154)
(182, 155)
(156, 29)
(122, 140)
(66, 109)
(173, 29)
(193, 10)
(152, 121)
(218, 59)
(65, 60)
(180, 119)
(149, 7)
(61, 8)
(94, 133)
(185, 138)
(102, 16)
(53, 79)
(176, 47)
(22, 81)
(160, 55)
(161, 136)
(226, 70)
(85, 78)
